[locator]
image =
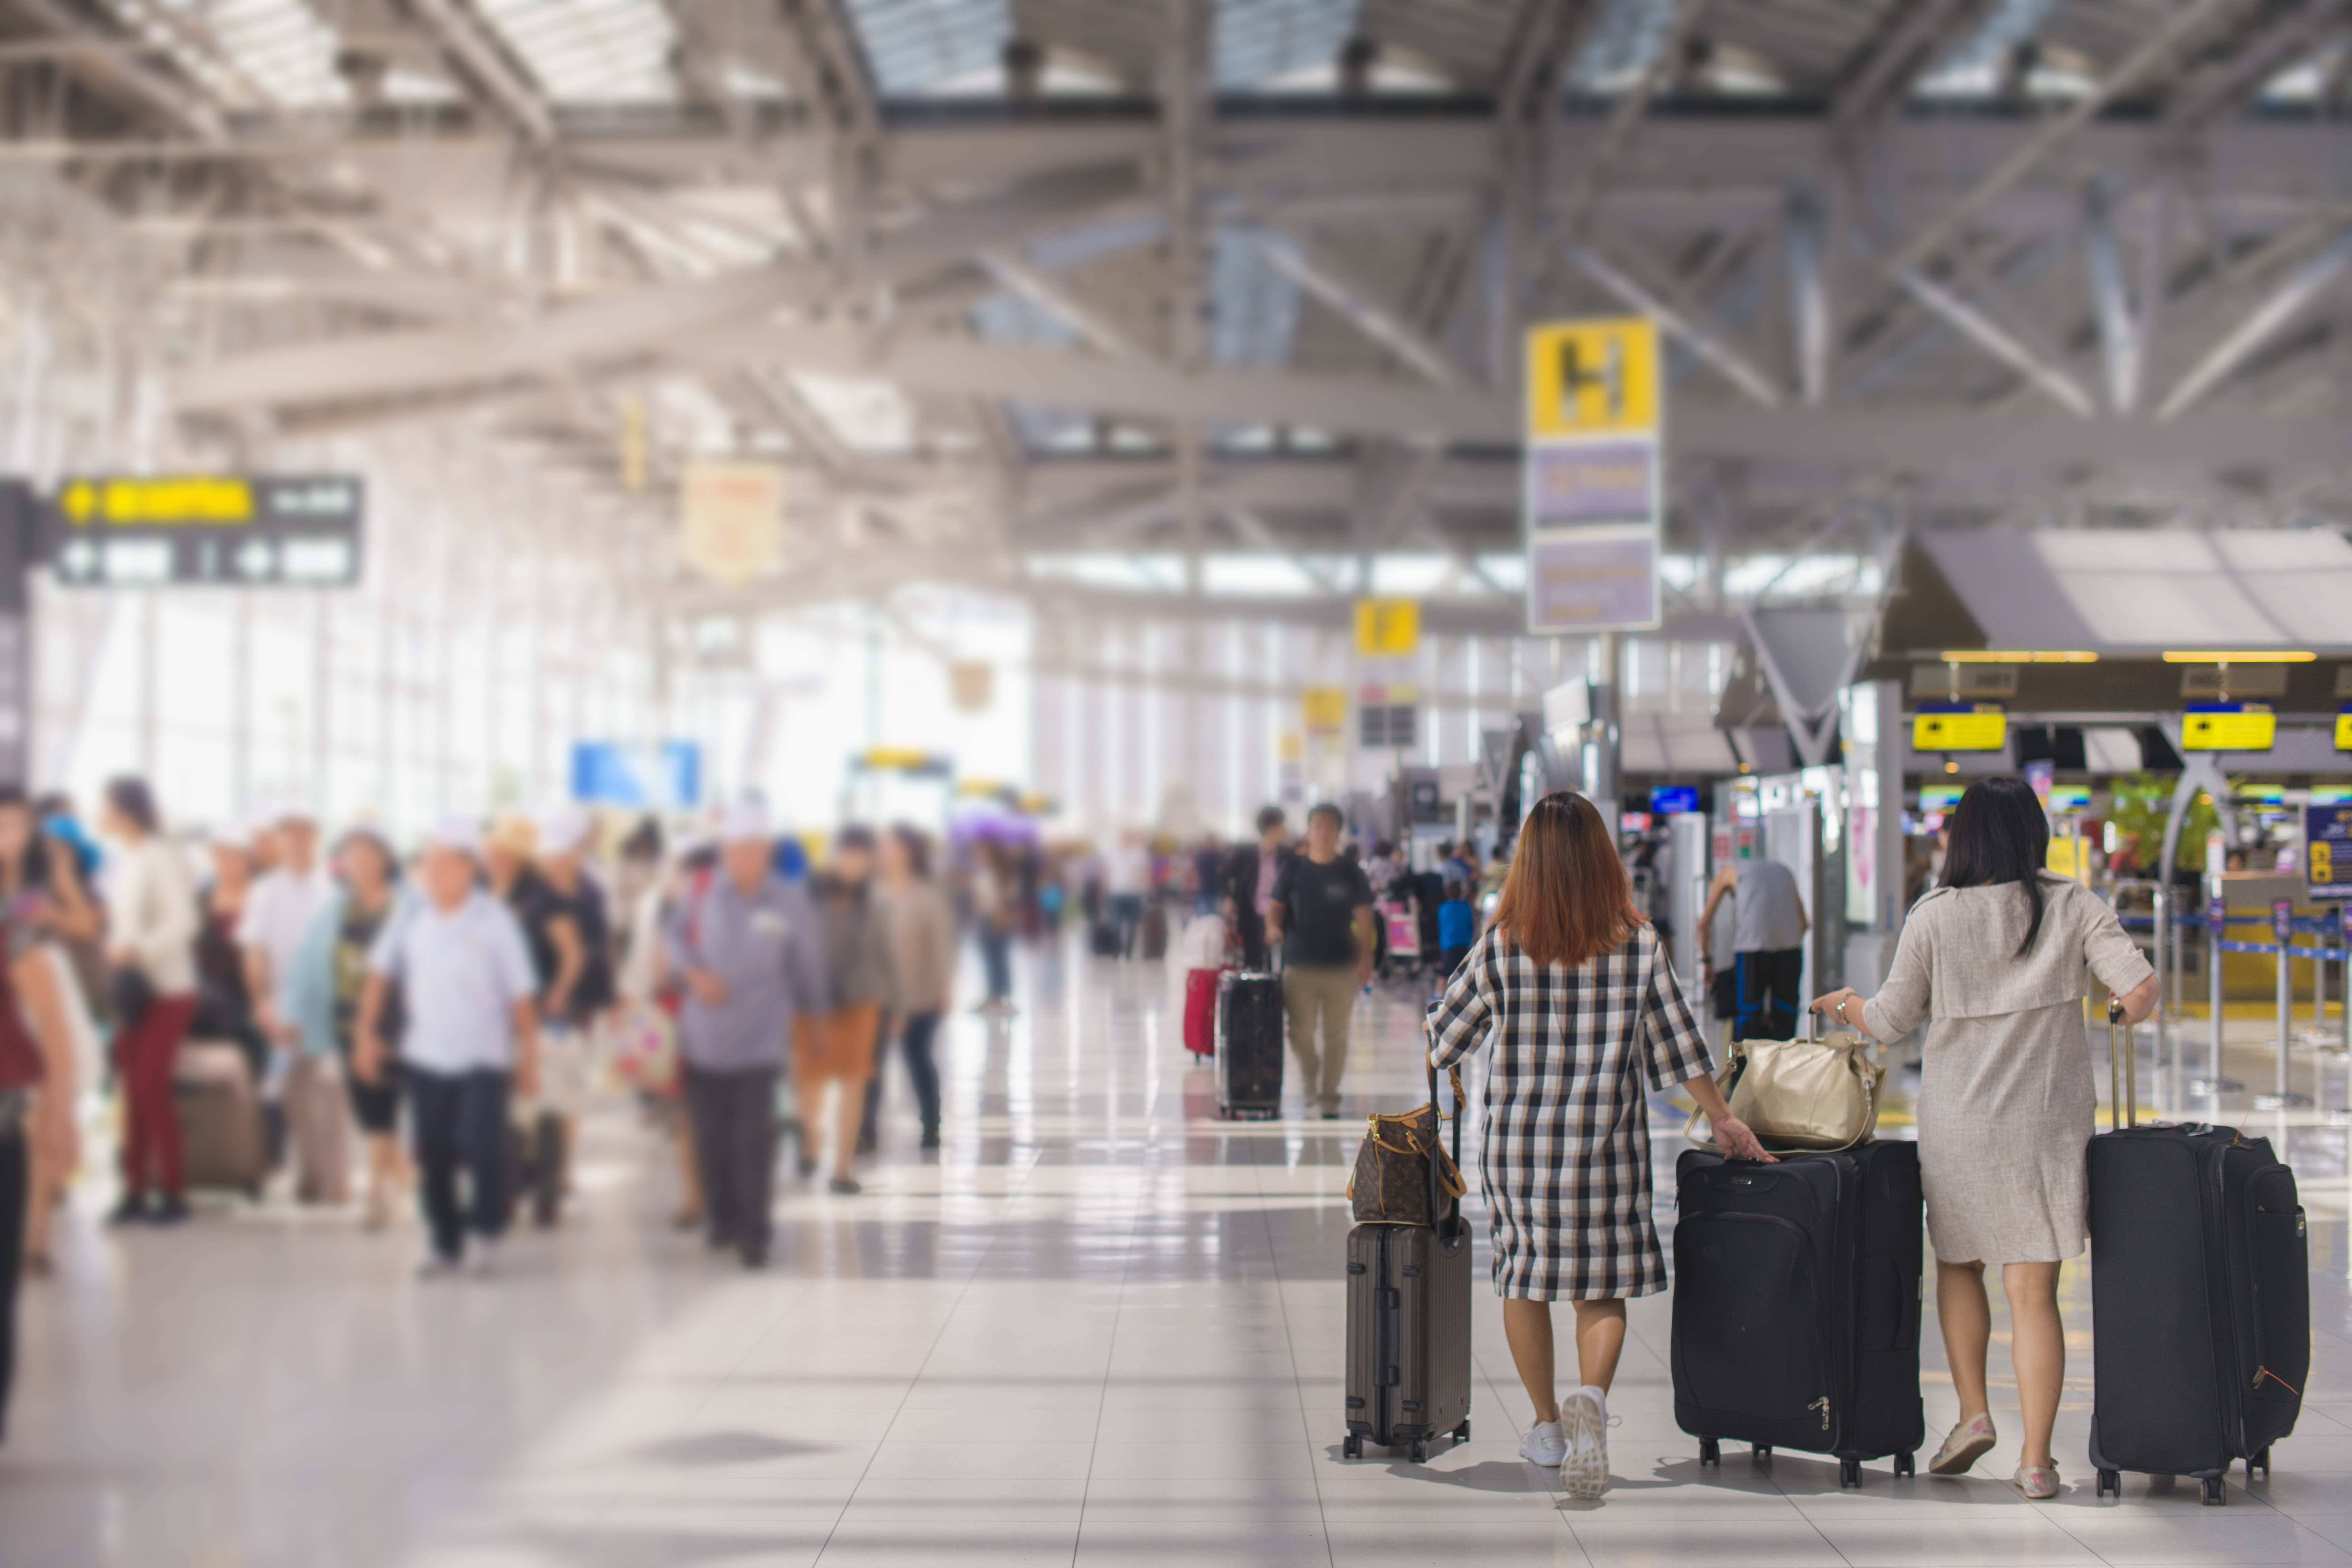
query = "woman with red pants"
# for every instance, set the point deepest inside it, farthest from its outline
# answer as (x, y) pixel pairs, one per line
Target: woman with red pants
(151, 947)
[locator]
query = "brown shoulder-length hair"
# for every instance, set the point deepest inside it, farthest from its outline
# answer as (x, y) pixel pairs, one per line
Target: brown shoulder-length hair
(1568, 898)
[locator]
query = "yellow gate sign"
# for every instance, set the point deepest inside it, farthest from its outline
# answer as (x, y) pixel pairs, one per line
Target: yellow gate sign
(1388, 627)
(1325, 708)
(1593, 378)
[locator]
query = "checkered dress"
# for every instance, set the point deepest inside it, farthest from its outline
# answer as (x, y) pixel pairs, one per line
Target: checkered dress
(1565, 1155)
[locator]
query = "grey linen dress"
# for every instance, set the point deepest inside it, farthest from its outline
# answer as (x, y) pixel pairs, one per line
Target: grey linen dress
(2007, 1101)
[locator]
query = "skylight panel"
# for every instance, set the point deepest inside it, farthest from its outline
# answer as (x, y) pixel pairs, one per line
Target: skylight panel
(253, 55)
(864, 415)
(591, 51)
(1974, 68)
(1253, 304)
(923, 49)
(1622, 48)
(1274, 45)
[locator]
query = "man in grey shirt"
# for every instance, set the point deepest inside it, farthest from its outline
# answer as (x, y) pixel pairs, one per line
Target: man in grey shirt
(746, 946)
(1769, 924)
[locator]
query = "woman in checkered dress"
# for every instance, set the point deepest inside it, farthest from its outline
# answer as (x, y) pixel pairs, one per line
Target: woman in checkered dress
(1577, 994)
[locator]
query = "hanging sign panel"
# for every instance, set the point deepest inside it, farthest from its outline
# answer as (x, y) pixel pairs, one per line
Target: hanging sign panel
(295, 531)
(1592, 485)
(2229, 727)
(1388, 628)
(1959, 727)
(2327, 850)
(2343, 728)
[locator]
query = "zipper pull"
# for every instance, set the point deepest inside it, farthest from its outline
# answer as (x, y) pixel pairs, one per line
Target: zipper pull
(1821, 1404)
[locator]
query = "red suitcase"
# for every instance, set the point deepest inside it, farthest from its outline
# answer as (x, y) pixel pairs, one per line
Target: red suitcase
(1201, 1011)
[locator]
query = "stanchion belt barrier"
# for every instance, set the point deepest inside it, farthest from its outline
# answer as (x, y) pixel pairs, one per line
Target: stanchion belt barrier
(2323, 925)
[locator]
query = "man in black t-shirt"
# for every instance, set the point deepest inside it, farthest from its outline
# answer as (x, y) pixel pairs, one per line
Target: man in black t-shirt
(1322, 915)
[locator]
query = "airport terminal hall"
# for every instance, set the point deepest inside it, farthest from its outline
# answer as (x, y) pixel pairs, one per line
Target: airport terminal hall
(1146, 784)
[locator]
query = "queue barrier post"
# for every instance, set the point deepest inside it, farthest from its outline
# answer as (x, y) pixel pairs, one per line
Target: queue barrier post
(2284, 1097)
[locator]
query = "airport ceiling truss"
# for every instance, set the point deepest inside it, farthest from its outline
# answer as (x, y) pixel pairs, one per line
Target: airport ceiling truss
(1001, 279)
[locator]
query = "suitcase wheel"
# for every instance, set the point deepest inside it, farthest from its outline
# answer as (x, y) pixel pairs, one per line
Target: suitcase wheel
(2111, 1483)
(1848, 1473)
(1353, 1447)
(1907, 1465)
(1761, 1453)
(1709, 1451)
(2217, 1491)
(1420, 1452)
(1462, 1433)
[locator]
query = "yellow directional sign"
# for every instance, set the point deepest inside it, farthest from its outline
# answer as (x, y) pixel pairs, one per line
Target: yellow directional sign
(1325, 708)
(2229, 727)
(1388, 627)
(1592, 378)
(1960, 727)
(177, 499)
(2344, 730)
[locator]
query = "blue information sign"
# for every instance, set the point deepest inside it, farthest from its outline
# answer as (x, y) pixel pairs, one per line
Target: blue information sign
(2327, 850)
(1672, 800)
(663, 777)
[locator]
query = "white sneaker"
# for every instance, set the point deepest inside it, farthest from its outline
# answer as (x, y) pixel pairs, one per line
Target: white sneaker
(1546, 1444)
(482, 1257)
(1584, 1472)
(433, 1266)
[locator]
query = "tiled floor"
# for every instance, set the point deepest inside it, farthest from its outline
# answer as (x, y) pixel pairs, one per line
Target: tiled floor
(1102, 1328)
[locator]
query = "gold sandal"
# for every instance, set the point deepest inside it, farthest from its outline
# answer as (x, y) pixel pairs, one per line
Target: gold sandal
(1969, 1441)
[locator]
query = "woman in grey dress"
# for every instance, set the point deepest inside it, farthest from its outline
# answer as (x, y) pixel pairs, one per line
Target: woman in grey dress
(1997, 955)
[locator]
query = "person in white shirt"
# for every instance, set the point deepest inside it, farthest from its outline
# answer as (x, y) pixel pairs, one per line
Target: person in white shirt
(280, 908)
(151, 901)
(471, 1041)
(1126, 881)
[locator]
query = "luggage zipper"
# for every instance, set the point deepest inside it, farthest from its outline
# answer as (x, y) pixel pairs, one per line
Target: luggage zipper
(1821, 1404)
(2262, 1371)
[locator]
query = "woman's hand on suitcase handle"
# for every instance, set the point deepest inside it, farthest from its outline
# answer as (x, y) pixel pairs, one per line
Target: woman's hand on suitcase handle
(1843, 1007)
(1729, 1132)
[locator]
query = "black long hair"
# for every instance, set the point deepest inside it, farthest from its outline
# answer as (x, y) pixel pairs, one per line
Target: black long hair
(1999, 833)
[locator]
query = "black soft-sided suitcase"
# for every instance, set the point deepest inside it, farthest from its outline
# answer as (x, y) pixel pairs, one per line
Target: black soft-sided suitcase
(1409, 1326)
(1796, 1312)
(1151, 935)
(2200, 1298)
(1249, 1044)
(1103, 936)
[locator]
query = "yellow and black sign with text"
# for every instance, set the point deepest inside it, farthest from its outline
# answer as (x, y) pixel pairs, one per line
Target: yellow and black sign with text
(205, 529)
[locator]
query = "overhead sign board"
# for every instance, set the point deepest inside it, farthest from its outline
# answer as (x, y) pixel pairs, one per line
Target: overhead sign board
(2343, 728)
(293, 531)
(1959, 727)
(1325, 708)
(731, 519)
(666, 777)
(1592, 485)
(2229, 727)
(1388, 628)
(2327, 850)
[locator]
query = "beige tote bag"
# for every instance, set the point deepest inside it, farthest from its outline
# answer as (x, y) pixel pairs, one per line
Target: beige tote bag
(1800, 1094)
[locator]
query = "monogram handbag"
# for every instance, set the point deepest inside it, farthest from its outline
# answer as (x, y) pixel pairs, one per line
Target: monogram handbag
(1403, 1173)
(1798, 1095)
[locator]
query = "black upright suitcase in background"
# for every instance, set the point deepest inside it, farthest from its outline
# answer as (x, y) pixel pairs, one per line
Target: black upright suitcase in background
(1249, 1044)
(1796, 1311)
(1409, 1326)
(2200, 1298)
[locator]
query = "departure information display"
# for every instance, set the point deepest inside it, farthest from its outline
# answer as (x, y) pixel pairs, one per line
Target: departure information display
(301, 531)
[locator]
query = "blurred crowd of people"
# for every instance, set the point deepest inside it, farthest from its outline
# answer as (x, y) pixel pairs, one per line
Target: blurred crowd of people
(268, 1006)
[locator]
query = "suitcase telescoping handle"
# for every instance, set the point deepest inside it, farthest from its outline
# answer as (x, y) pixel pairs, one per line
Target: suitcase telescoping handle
(2123, 1101)
(1436, 1189)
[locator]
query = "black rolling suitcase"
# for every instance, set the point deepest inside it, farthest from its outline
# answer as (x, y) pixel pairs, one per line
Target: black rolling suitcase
(2200, 1298)
(1409, 1326)
(1796, 1311)
(1249, 1044)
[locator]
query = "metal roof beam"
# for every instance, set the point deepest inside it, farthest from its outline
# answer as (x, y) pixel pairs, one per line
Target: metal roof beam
(1681, 319)
(485, 65)
(2127, 73)
(2239, 344)
(1383, 326)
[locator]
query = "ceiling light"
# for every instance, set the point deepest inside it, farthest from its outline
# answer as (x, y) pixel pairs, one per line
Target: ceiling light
(2271, 657)
(2001, 655)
